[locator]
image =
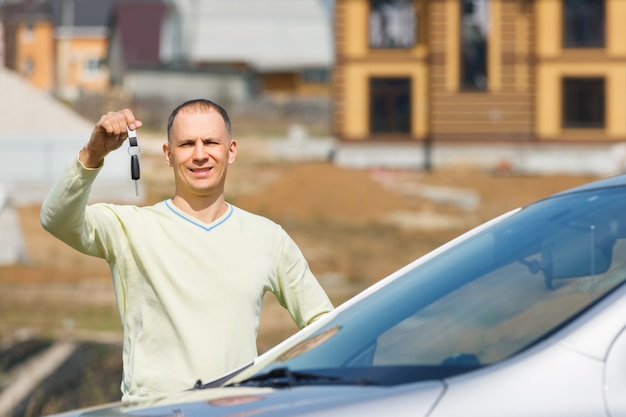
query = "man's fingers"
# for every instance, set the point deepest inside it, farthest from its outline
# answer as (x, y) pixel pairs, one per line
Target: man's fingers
(129, 119)
(109, 125)
(115, 124)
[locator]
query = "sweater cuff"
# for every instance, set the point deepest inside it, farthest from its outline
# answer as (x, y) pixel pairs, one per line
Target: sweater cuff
(79, 165)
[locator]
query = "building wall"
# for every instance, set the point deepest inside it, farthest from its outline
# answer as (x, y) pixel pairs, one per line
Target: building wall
(505, 110)
(279, 82)
(73, 73)
(224, 87)
(294, 82)
(35, 53)
(554, 62)
(526, 64)
(356, 64)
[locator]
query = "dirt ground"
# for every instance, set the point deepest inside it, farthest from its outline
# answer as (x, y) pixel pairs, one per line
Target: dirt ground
(354, 227)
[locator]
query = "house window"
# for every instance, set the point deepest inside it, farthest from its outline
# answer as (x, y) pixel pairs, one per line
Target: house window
(390, 105)
(474, 35)
(583, 23)
(28, 36)
(315, 75)
(93, 66)
(392, 24)
(28, 68)
(583, 102)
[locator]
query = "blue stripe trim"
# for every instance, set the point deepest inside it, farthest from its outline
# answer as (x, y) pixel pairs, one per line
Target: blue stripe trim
(200, 225)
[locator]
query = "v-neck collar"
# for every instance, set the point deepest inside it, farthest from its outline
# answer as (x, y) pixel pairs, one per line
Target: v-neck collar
(205, 226)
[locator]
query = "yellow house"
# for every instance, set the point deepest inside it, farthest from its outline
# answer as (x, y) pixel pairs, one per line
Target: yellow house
(60, 46)
(34, 51)
(81, 46)
(80, 68)
(492, 76)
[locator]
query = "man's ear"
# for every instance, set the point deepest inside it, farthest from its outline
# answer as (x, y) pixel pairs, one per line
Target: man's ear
(232, 151)
(167, 154)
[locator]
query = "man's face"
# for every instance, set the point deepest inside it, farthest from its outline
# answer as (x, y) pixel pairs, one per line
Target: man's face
(199, 151)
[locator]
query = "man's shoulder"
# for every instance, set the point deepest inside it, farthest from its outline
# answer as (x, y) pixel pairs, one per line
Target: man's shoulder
(132, 209)
(257, 220)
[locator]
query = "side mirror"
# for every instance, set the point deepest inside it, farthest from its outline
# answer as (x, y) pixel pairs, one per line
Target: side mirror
(579, 250)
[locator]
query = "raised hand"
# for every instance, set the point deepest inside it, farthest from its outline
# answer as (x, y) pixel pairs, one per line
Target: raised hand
(108, 135)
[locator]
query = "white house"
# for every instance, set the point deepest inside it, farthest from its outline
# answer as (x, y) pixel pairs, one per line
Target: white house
(228, 49)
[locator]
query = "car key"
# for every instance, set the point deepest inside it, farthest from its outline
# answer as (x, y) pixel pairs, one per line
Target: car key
(133, 151)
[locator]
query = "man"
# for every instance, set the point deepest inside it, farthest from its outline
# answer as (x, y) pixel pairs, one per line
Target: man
(189, 273)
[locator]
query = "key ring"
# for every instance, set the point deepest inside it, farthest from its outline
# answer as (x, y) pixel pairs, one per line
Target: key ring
(134, 151)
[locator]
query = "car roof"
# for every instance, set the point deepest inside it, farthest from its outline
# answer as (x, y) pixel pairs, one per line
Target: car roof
(608, 182)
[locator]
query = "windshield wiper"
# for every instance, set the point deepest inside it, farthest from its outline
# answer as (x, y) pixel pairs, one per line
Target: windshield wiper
(284, 378)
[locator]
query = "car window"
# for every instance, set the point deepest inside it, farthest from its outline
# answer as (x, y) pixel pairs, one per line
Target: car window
(491, 294)
(463, 325)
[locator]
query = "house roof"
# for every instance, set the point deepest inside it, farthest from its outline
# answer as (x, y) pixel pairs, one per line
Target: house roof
(81, 13)
(28, 111)
(139, 24)
(39, 135)
(266, 34)
(18, 12)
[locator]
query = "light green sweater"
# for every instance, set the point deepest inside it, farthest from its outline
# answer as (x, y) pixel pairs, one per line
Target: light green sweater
(189, 294)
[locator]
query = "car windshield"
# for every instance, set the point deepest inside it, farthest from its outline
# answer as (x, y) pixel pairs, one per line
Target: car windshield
(483, 299)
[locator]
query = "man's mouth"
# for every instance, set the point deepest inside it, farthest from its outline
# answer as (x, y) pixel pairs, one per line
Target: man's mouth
(200, 170)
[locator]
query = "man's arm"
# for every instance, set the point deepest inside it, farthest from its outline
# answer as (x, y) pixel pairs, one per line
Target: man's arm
(64, 210)
(299, 291)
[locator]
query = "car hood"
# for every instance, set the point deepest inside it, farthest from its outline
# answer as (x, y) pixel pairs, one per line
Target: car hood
(413, 399)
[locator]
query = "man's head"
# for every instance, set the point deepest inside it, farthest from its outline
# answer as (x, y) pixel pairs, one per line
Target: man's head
(199, 104)
(199, 148)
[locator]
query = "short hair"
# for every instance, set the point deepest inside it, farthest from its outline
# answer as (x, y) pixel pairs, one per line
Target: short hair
(198, 104)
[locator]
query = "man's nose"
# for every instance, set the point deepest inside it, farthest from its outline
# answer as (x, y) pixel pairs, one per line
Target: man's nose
(198, 151)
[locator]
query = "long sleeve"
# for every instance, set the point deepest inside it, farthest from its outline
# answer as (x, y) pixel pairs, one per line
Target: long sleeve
(65, 214)
(298, 290)
(189, 294)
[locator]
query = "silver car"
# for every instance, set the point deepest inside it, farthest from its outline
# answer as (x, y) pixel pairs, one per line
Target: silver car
(522, 316)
